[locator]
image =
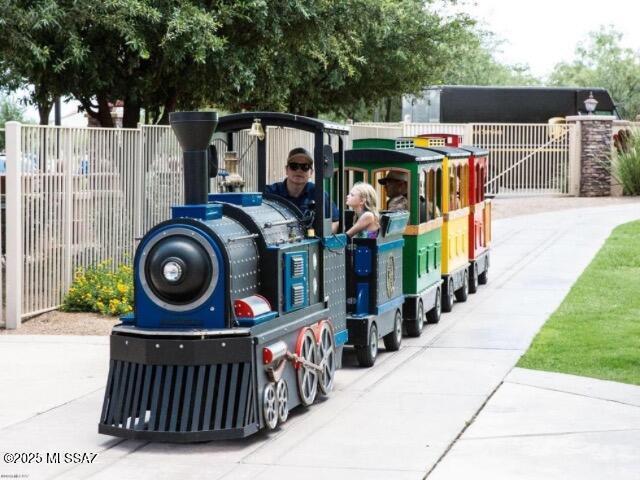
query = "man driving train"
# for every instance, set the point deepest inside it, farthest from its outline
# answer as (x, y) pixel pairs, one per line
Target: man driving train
(297, 187)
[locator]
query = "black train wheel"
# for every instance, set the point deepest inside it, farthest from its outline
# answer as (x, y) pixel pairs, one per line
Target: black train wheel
(448, 296)
(414, 326)
(367, 354)
(282, 396)
(393, 339)
(463, 292)
(307, 377)
(473, 278)
(483, 278)
(433, 315)
(327, 357)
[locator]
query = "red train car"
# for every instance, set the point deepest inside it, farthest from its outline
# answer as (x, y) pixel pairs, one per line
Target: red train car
(480, 207)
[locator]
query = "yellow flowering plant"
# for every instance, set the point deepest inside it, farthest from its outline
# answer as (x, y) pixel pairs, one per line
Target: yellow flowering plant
(101, 289)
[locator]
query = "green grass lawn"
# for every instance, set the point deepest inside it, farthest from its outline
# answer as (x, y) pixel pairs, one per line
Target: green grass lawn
(596, 330)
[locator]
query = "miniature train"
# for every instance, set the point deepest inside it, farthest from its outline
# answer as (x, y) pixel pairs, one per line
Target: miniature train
(243, 304)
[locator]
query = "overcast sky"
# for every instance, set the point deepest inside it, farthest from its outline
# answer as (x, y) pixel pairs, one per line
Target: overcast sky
(542, 33)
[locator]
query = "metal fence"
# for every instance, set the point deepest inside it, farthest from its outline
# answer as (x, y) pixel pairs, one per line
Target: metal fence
(78, 196)
(2, 230)
(526, 159)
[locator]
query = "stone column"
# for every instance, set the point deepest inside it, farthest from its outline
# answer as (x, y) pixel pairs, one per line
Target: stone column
(596, 140)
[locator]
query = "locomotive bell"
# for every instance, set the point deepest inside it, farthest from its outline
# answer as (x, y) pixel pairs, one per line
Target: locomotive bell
(194, 131)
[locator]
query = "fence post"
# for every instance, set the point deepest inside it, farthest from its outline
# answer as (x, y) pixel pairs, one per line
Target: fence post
(467, 136)
(68, 196)
(595, 157)
(138, 185)
(575, 153)
(14, 224)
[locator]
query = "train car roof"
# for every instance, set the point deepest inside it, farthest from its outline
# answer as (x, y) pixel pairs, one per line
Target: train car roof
(383, 155)
(477, 151)
(241, 121)
(450, 152)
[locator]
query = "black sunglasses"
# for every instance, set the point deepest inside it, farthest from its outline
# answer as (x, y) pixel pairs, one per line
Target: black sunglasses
(305, 167)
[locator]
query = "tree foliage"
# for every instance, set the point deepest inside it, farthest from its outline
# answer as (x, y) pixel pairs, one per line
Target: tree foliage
(10, 110)
(601, 61)
(477, 65)
(303, 56)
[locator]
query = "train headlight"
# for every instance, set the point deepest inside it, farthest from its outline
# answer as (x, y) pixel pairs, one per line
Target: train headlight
(178, 269)
(172, 271)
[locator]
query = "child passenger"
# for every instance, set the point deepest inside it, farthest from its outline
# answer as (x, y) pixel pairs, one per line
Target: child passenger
(364, 201)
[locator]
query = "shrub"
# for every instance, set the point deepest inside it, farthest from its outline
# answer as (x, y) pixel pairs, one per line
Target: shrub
(102, 290)
(626, 161)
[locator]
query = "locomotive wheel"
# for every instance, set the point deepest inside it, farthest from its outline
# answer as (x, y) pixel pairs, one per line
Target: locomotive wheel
(367, 353)
(463, 292)
(327, 357)
(308, 377)
(448, 296)
(414, 327)
(483, 278)
(473, 279)
(393, 339)
(282, 396)
(270, 406)
(433, 315)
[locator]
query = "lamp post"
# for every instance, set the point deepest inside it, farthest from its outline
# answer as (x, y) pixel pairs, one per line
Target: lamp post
(590, 104)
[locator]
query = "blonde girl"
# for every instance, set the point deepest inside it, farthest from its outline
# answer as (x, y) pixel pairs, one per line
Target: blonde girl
(364, 201)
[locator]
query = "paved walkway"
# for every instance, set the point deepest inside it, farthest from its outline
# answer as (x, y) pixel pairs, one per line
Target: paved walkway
(396, 420)
(551, 426)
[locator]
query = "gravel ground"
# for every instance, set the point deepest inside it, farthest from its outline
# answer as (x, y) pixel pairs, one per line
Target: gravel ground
(61, 323)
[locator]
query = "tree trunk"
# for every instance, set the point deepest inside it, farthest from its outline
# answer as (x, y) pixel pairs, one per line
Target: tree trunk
(131, 116)
(44, 109)
(169, 106)
(387, 116)
(104, 112)
(102, 115)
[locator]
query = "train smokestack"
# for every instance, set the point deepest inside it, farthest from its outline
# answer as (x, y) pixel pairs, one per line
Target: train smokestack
(194, 131)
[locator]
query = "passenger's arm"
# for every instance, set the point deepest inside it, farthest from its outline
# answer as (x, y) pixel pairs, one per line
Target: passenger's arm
(362, 224)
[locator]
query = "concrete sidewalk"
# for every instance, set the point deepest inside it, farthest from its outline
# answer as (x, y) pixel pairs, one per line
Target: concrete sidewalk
(551, 426)
(396, 420)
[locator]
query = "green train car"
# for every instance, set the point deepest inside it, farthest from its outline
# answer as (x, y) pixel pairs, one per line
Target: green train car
(422, 169)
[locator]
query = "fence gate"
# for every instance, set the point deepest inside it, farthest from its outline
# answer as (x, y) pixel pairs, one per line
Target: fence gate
(526, 159)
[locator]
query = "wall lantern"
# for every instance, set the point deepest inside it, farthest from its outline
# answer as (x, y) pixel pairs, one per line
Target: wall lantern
(590, 104)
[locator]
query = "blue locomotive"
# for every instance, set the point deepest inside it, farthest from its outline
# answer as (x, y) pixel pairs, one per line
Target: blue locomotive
(242, 307)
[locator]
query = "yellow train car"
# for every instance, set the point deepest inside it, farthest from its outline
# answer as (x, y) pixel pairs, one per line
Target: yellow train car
(455, 227)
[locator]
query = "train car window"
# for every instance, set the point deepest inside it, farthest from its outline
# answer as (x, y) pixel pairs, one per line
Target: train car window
(384, 198)
(438, 192)
(432, 195)
(354, 175)
(424, 195)
(476, 186)
(464, 186)
(483, 174)
(453, 204)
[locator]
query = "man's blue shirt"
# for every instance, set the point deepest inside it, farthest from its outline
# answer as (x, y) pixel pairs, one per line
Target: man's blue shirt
(306, 197)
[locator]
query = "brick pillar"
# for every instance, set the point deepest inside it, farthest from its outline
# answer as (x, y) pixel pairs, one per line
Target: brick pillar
(596, 141)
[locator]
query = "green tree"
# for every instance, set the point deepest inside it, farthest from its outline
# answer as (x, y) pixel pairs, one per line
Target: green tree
(601, 61)
(10, 110)
(346, 54)
(40, 43)
(476, 64)
(304, 56)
